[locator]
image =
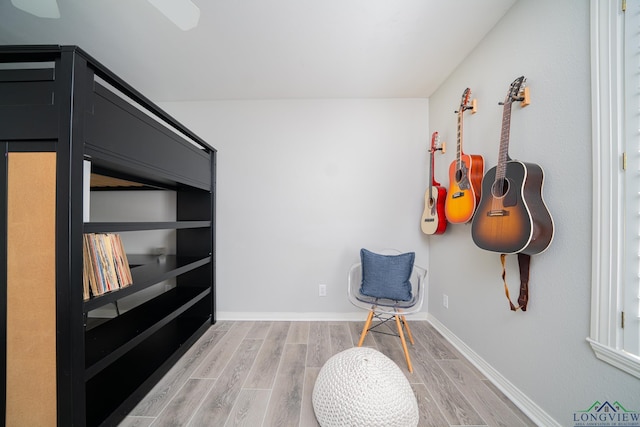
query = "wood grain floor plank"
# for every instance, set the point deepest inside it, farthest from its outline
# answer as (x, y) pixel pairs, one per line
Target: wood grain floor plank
(340, 337)
(435, 343)
(168, 386)
(133, 421)
(298, 333)
(442, 349)
(184, 404)
(223, 325)
(391, 346)
(488, 405)
(224, 350)
(451, 401)
(218, 403)
(264, 369)
(307, 414)
(525, 419)
(319, 345)
(356, 330)
(509, 404)
(249, 409)
(430, 414)
(259, 330)
(286, 397)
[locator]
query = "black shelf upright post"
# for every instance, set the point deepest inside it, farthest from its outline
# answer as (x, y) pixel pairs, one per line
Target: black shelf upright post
(71, 88)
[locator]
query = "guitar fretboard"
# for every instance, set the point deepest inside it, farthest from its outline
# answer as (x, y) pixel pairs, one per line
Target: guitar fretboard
(459, 140)
(463, 107)
(503, 153)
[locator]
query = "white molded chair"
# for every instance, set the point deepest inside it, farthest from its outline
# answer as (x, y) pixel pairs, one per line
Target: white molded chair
(385, 309)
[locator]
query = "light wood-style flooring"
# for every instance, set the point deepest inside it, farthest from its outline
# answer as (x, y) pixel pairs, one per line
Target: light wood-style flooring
(262, 374)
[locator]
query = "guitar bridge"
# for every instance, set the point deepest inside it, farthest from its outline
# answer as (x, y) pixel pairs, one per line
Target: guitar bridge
(429, 219)
(458, 194)
(498, 212)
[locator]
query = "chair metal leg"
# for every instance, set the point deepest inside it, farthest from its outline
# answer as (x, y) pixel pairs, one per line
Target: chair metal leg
(366, 328)
(404, 343)
(406, 325)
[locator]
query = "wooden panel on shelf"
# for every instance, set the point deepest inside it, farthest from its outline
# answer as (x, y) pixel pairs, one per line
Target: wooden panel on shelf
(31, 290)
(103, 181)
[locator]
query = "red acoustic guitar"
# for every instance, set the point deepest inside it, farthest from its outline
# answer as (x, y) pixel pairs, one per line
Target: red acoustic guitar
(465, 176)
(512, 216)
(433, 218)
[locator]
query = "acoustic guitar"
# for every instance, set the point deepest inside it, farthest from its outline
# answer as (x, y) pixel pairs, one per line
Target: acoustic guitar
(465, 176)
(433, 217)
(512, 216)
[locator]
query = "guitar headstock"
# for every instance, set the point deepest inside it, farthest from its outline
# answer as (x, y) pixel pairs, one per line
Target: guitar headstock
(514, 91)
(436, 145)
(465, 98)
(464, 101)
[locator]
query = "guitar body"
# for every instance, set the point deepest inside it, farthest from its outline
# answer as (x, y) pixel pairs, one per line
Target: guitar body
(433, 218)
(465, 187)
(513, 218)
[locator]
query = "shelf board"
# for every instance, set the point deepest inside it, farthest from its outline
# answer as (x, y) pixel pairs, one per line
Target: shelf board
(148, 271)
(111, 340)
(110, 227)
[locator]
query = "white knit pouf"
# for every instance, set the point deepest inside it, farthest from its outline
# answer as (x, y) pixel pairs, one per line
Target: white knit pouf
(363, 387)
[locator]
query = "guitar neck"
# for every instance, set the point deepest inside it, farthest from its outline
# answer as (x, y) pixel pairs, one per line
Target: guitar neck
(503, 153)
(459, 142)
(431, 178)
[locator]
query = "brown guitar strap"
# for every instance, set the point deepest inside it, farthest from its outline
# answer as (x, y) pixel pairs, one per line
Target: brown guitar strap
(524, 261)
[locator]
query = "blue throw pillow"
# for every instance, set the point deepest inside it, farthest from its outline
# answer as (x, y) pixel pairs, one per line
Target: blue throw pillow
(386, 276)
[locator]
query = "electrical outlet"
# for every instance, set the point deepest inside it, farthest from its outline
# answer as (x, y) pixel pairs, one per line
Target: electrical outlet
(322, 290)
(445, 300)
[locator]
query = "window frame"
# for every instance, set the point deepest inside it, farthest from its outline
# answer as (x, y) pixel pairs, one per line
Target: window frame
(607, 101)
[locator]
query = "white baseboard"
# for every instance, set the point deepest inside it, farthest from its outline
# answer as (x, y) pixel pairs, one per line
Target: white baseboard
(302, 316)
(526, 405)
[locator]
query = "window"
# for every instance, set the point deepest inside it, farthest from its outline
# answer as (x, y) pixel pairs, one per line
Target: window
(631, 294)
(615, 70)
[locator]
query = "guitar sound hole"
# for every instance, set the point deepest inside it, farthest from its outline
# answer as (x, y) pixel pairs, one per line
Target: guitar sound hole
(500, 187)
(458, 175)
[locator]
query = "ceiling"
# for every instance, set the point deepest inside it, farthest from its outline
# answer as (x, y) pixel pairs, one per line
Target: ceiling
(269, 49)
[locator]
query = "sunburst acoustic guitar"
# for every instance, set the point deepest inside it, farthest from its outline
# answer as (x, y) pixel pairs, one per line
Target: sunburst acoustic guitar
(433, 218)
(465, 176)
(512, 216)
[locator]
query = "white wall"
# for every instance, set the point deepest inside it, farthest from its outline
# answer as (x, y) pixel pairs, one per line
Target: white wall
(302, 186)
(542, 352)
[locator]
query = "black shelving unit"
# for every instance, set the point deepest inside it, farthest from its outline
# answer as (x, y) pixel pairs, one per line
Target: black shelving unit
(58, 99)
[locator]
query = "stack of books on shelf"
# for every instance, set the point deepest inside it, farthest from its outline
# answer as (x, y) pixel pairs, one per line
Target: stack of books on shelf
(106, 267)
